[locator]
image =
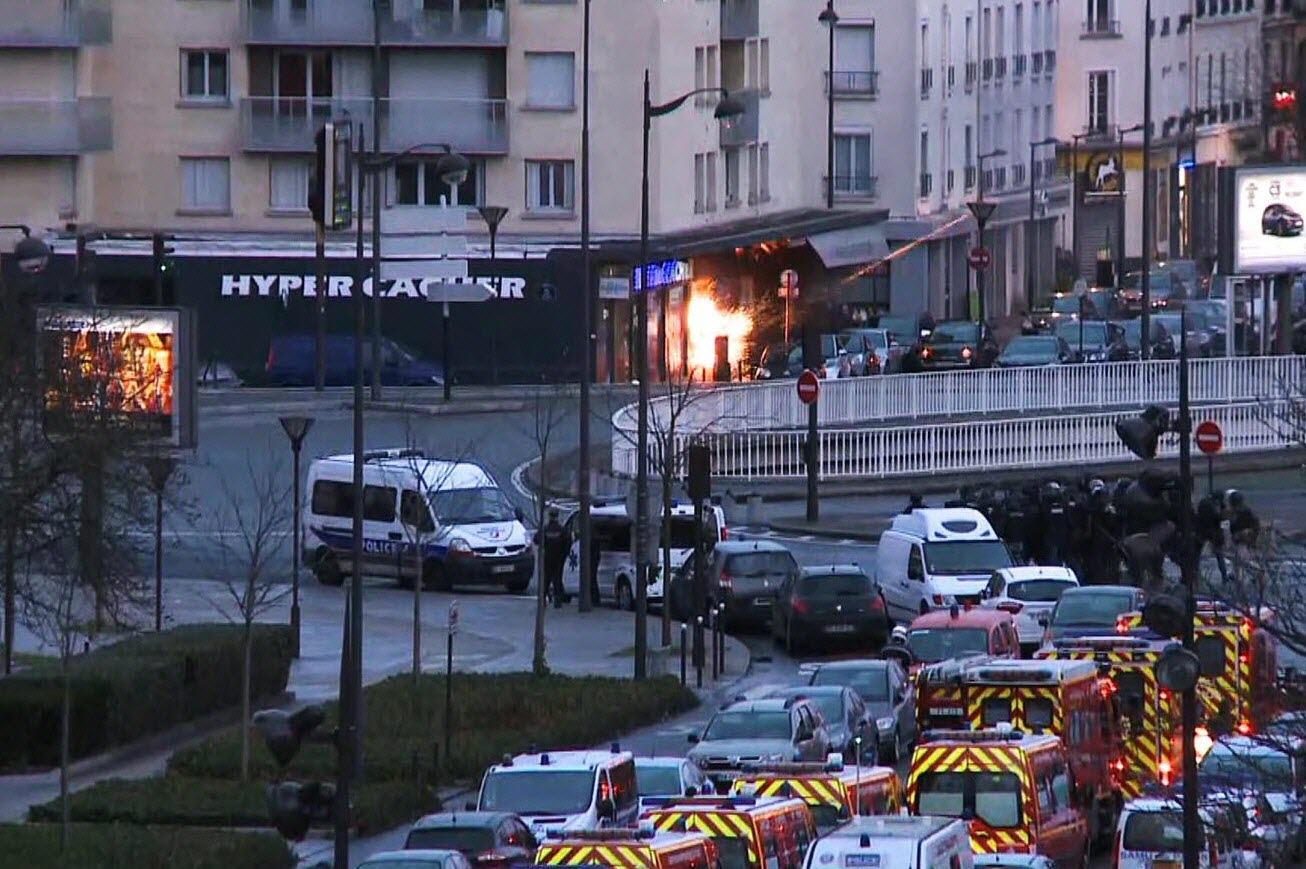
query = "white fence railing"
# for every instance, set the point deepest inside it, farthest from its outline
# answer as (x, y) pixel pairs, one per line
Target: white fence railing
(917, 449)
(1054, 389)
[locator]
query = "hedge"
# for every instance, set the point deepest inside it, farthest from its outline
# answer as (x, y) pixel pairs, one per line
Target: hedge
(139, 686)
(118, 846)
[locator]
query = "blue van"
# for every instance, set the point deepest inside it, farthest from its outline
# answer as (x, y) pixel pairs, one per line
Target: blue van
(292, 360)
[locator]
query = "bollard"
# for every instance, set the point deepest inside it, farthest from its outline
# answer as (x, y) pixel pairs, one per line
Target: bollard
(721, 627)
(684, 629)
(716, 638)
(698, 663)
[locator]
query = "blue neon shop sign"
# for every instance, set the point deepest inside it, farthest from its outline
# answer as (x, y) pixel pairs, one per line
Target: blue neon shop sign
(662, 274)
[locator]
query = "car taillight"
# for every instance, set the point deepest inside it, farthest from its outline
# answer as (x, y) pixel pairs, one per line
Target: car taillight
(877, 603)
(1245, 727)
(1011, 606)
(727, 581)
(927, 352)
(725, 533)
(1164, 769)
(799, 605)
(272, 357)
(965, 353)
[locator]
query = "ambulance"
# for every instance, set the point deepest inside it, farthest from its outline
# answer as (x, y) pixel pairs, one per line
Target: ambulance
(834, 794)
(749, 833)
(1065, 698)
(1015, 789)
(630, 849)
(894, 842)
(1239, 656)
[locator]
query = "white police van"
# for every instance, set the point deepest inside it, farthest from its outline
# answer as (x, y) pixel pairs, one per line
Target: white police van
(447, 521)
(894, 842)
(564, 791)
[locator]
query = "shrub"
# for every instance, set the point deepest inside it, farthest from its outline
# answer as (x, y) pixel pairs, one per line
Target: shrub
(142, 685)
(118, 846)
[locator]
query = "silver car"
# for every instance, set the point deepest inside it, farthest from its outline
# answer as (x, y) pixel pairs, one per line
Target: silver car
(748, 732)
(889, 696)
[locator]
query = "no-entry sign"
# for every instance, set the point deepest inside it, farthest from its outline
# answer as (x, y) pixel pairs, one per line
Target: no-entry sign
(809, 387)
(1210, 439)
(980, 258)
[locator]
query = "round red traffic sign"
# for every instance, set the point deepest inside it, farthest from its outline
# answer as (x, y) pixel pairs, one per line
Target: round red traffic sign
(1210, 439)
(809, 386)
(980, 258)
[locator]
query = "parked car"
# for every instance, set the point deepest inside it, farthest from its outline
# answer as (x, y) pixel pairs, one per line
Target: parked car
(818, 606)
(1200, 339)
(905, 330)
(835, 361)
(667, 777)
(745, 575)
(1163, 288)
(1163, 345)
(1028, 351)
(1278, 219)
(871, 351)
(956, 344)
(292, 361)
(1091, 611)
(776, 361)
(758, 731)
(846, 719)
(956, 632)
(487, 839)
(1093, 341)
(889, 695)
(1272, 776)
(1029, 594)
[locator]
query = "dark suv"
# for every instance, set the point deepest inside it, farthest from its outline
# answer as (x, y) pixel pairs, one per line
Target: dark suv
(745, 575)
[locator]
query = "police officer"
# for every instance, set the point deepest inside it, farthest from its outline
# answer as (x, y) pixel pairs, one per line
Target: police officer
(556, 544)
(1210, 529)
(1244, 526)
(914, 502)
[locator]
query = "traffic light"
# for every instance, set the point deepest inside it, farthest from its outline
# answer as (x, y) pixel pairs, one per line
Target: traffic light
(294, 806)
(1178, 669)
(330, 189)
(1165, 614)
(1141, 433)
(699, 483)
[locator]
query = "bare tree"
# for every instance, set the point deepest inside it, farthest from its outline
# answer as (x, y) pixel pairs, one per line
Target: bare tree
(251, 527)
(549, 406)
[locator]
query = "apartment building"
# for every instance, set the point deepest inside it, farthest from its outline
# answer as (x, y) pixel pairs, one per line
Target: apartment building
(1206, 106)
(1283, 33)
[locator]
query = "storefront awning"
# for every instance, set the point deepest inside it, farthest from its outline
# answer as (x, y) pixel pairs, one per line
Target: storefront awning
(856, 245)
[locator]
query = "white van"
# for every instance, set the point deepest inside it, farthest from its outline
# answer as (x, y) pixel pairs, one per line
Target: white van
(564, 791)
(614, 536)
(465, 526)
(894, 842)
(934, 557)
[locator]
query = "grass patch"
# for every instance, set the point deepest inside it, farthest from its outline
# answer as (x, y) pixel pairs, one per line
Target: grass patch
(117, 846)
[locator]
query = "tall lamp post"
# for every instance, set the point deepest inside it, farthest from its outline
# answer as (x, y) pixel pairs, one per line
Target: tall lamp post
(296, 428)
(32, 255)
(1149, 206)
(982, 211)
(493, 215)
(1030, 266)
(829, 18)
(728, 107)
(586, 324)
(1076, 194)
(159, 468)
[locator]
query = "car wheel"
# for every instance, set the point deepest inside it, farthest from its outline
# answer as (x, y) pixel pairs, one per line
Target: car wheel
(624, 600)
(327, 570)
(435, 577)
(925, 608)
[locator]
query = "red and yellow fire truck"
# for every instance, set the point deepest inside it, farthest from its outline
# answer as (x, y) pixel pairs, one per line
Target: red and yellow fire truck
(1067, 699)
(630, 849)
(749, 833)
(1239, 656)
(833, 794)
(1015, 789)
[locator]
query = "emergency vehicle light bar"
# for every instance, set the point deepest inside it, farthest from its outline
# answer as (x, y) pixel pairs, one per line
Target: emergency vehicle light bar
(999, 674)
(793, 767)
(972, 735)
(623, 835)
(726, 802)
(1103, 643)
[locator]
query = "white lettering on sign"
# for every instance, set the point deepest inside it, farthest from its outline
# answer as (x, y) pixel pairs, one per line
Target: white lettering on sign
(342, 286)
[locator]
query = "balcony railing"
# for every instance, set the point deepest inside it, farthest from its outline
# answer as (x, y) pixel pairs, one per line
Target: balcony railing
(1049, 61)
(854, 83)
(460, 27)
(1101, 27)
(288, 124)
(1018, 174)
(55, 24)
(1036, 60)
(1000, 67)
(1019, 63)
(55, 127)
(347, 22)
(1000, 178)
(972, 70)
(739, 19)
(743, 129)
(927, 184)
(854, 186)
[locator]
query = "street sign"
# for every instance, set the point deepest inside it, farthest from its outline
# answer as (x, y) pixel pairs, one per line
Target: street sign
(453, 618)
(980, 258)
(981, 211)
(789, 284)
(1209, 436)
(809, 387)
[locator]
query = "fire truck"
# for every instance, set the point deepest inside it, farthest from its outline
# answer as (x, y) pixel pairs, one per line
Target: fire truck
(833, 794)
(630, 849)
(1149, 715)
(1239, 656)
(1014, 788)
(750, 833)
(1065, 698)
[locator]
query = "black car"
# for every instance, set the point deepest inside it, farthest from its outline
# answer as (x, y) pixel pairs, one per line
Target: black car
(487, 839)
(1281, 220)
(953, 344)
(1093, 341)
(888, 693)
(1163, 345)
(822, 606)
(1029, 351)
(775, 362)
(745, 575)
(847, 720)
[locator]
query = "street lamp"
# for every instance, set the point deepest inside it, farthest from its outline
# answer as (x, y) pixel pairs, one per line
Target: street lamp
(729, 107)
(1149, 212)
(493, 215)
(296, 428)
(1120, 202)
(829, 18)
(586, 325)
(982, 211)
(1029, 234)
(159, 468)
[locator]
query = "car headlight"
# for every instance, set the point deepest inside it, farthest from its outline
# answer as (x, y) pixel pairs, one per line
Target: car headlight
(884, 723)
(459, 544)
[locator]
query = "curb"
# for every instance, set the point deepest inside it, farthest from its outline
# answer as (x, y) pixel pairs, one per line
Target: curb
(798, 529)
(453, 408)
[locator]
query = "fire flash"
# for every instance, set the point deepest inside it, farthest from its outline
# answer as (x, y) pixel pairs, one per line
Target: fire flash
(707, 321)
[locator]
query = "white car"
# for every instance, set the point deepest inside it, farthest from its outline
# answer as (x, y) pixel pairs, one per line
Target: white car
(1029, 594)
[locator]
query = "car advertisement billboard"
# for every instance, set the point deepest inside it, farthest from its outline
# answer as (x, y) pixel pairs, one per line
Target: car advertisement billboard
(129, 369)
(1268, 207)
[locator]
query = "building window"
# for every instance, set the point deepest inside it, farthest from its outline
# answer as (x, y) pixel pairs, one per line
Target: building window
(206, 184)
(288, 184)
(550, 185)
(757, 75)
(852, 164)
(854, 59)
(764, 172)
(417, 182)
(204, 75)
(1099, 102)
(1098, 17)
(705, 74)
(732, 177)
(753, 179)
(550, 80)
(700, 183)
(709, 181)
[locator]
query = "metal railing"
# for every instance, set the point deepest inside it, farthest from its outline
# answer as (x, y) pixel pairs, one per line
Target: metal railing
(854, 82)
(288, 124)
(348, 22)
(55, 23)
(770, 412)
(55, 127)
(1101, 27)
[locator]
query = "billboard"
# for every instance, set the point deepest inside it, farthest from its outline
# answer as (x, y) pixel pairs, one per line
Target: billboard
(1269, 214)
(130, 369)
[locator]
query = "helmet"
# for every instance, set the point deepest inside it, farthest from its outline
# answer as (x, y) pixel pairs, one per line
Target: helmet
(898, 634)
(1235, 498)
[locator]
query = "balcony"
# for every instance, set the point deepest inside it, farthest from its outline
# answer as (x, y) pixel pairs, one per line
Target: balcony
(1018, 174)
(54, 24)
(55, 128)
(1101, 28)
(1019, 63)
(853, 187)
(988, 68)
(456, 23)
(288, 124)
(743, 129)
(1000, 178)
(854, 83)
(460, 27)
(739, 19)
(1000, 67)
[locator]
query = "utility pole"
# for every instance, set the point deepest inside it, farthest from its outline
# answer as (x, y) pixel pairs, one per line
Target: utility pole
(1149, 206)
(376, 203)
(585, 604)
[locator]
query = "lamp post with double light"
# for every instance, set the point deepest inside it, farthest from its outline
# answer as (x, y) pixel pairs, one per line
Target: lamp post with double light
(727, 108)
(493, 215)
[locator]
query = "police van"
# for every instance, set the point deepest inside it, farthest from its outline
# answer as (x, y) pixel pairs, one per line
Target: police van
(558, 792)
(894, 842)
(448, 522)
